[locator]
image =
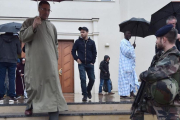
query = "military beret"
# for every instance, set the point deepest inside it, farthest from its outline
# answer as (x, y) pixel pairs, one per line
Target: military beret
(164, 30)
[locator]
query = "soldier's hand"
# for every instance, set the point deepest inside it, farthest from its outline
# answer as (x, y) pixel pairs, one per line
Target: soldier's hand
(142, 76)
(142, 80)
(178, 37)
(37, 21)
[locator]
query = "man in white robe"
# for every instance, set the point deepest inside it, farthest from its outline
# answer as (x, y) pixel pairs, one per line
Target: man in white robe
(127, 75)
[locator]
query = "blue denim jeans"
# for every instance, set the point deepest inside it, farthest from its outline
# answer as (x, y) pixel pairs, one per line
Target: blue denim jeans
(89, 69)
(11, 67)
(102, 83)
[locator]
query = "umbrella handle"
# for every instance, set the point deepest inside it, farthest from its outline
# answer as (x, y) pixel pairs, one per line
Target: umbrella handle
(135, 40)
(134, 44)
(136, 32)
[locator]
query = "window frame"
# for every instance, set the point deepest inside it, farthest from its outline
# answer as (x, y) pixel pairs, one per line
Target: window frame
(93, 1)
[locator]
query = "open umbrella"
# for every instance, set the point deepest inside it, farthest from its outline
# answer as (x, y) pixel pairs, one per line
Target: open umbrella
(12, 27)
(158, 19)
(137, 26)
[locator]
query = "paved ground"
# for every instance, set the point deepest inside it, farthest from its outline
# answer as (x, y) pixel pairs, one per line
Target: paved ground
(77, 98)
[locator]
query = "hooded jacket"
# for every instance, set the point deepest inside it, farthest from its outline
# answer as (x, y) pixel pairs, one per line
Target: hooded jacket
(86, 51)
(104, 67)
(9, 48)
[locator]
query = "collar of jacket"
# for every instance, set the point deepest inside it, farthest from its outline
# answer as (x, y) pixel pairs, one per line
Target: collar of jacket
(173, 50)
(127, 42)
(43, 20)
(126, 39)
(7, 37)
(80, 38)
(106, 62)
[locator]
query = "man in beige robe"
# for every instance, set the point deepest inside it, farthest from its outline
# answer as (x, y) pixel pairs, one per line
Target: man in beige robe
(41, 69)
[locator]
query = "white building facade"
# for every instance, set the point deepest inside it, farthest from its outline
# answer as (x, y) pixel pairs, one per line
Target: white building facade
(102, 17)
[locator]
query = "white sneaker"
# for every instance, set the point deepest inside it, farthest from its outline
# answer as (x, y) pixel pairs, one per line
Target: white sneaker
(12, 99)
(25, 97)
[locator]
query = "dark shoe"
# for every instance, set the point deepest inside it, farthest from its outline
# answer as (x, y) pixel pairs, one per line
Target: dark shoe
(89, 95)
(125, 97)
(84, 98)
(111, 93)
(18, 96)
(28, 112)
(12, 99)
(132, 95)
(2, 98)
(100, 94)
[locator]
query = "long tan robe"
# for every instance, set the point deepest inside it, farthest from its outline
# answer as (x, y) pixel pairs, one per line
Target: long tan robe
(41, 69)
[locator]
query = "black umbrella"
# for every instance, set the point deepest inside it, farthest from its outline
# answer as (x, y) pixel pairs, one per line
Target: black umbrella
(10, 27)
(137, 26)
(158, 19)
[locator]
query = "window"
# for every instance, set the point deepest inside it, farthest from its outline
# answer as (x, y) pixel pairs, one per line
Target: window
(106, 0)
(94, 0)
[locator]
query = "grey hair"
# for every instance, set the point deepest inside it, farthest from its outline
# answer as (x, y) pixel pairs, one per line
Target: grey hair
(170, 18)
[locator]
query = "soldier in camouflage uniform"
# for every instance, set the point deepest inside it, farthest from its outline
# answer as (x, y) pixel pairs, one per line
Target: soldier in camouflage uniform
(162, 79)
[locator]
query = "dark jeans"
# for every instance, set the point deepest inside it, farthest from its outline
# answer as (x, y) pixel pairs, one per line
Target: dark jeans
(108, 85)
(11, 67)
(83, 68)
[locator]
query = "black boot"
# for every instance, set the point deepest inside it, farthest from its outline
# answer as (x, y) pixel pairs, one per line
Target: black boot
(84, 98)
(89, 95)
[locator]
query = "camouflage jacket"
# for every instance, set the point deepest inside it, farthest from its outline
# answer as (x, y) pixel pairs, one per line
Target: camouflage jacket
(163, 66)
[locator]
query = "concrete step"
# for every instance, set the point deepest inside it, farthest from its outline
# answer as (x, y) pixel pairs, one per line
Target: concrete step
(80, 115)
(20, 108)
(105, 108)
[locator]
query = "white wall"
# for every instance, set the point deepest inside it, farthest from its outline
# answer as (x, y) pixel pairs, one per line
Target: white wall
(110, 14)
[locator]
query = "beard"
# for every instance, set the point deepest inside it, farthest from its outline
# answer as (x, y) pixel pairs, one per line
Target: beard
(160, 46)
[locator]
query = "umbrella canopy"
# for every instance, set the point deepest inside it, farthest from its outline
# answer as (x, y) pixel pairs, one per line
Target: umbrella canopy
(12, 27)
(158, 19)
(137, 26)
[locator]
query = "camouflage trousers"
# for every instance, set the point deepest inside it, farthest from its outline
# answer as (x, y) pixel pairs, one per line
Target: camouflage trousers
(170, 112)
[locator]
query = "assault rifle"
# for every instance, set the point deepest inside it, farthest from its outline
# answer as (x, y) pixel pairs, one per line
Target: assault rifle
(138, 99)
